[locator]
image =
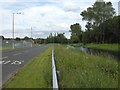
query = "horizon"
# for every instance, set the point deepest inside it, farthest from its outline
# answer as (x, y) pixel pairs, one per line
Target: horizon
(37, 15)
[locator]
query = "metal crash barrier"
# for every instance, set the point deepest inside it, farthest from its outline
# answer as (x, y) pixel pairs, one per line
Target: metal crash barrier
(55, 82)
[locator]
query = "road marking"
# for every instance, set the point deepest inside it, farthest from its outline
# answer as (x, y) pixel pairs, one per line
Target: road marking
(7, 62)
(12, 62)
(2, 62)
(4, 57)
(17, 62)
(17, 54)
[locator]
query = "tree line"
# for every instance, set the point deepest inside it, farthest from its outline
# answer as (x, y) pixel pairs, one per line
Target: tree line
(102, 25)
(57, 38)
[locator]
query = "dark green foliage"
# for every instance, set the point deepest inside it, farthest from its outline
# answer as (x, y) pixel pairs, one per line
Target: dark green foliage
(27, 38)
(98, 13)
(2, 38)
(76, 33)
(111, 30)
(39, 40)
(17, 39)
(102, 26)
(57, 38)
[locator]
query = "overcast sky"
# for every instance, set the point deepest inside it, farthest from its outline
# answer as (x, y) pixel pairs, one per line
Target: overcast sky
(44, 16)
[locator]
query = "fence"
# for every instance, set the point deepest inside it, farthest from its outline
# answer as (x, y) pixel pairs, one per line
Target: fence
(17, 44)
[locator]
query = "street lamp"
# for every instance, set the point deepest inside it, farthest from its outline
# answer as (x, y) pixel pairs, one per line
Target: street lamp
(13, 27)
(31, 37)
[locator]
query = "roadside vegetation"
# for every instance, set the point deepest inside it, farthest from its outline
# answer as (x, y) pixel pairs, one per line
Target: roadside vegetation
(110, 47)
(81, 70)
(36, 74)
(10, 48)
(5, 48)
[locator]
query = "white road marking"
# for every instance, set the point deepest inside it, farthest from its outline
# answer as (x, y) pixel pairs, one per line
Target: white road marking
(4, 57)
(6, 62)
(17, 54)
(17, 62)
(2, 62)
(12, 62)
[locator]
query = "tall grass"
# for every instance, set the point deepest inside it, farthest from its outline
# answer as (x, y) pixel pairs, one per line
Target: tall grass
(111, 47)
(80, 70)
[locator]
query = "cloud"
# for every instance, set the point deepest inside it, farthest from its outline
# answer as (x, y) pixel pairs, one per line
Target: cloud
(45, 16)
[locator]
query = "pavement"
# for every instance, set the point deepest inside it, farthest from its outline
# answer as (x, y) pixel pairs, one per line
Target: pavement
(12, 61)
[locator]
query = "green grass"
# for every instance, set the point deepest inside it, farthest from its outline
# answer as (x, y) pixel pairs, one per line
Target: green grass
(78, 44)
(80, 70)
(111, 47)
(36, 74)
(6, 49)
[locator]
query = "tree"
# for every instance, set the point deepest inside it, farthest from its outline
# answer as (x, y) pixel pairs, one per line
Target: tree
(111, 29)
(18, 39)
(88, 26)
(60, 38)
(26, 38)
(2, 37)
(39, 41)
(76, 32)
(57, 38)
(74, 39)
(97, 14)
(50, 38)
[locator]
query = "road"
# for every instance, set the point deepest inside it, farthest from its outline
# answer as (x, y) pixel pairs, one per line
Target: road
(12, 61)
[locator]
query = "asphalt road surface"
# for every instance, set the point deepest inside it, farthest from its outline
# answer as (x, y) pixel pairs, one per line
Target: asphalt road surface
(12, 61)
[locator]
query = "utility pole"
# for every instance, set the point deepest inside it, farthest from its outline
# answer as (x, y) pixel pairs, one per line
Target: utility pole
(13, 46)
(31, 37)
(13, 32)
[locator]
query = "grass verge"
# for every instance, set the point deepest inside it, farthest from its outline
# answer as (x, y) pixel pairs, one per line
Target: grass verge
(80, 70)
(110, 47)
(15, 49)
(36, 74)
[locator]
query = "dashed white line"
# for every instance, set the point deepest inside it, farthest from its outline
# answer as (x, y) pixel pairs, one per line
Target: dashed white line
(4, 57)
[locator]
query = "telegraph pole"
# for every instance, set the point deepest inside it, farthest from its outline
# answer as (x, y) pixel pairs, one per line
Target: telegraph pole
(13, 46)
(31, 37)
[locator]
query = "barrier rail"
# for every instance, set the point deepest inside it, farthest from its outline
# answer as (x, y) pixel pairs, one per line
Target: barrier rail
(55, 82)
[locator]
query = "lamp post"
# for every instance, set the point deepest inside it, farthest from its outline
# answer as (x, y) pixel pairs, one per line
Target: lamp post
(32, 28)
(31, 37)
(13, 28)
